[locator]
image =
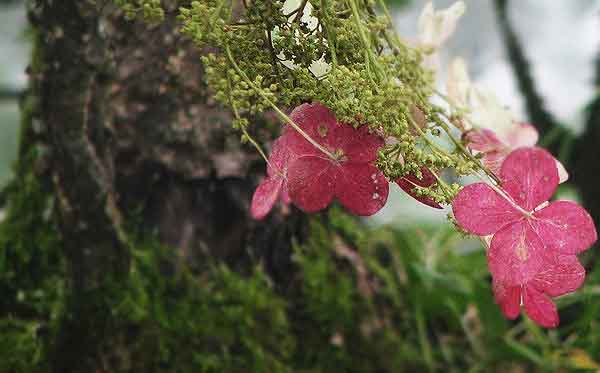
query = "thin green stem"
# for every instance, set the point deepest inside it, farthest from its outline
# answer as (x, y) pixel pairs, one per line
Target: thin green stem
(464, 151)
(244, 131)
(423, 340)
(369, 57)
(274, 107)
(300, 11)
(330, 34)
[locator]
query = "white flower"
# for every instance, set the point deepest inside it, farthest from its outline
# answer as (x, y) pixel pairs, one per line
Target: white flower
(435, 27)
(483, 109)
(319, 67)
(459, 84)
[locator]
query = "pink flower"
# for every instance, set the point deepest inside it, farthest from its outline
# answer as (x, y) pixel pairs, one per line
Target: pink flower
(498, 133)
(565, 275)
(531, 245)
(495, 147)
(315, 179)
(301, 173)
(274, 185)
(410, 183)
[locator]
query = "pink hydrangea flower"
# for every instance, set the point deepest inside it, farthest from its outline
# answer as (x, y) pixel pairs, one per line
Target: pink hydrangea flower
(274, 186)
(410, 183)
(315, 179)
(495, 147)
(563, 276)
(301, 173)
(533, 244)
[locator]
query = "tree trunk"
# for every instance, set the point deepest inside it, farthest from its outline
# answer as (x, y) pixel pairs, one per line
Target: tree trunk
(133, 136)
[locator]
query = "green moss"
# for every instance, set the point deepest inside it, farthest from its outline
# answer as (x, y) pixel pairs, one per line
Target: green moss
(359, 299)
(32, 266)
(32, 269)
(20, 346)
(214, 321)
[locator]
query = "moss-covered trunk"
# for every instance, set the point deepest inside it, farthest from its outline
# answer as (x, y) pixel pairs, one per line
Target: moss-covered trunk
(130, 141)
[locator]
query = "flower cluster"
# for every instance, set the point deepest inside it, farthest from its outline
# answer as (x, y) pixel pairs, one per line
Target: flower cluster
(485, 113)
(311, 177)
(340, 166)
(533, 242)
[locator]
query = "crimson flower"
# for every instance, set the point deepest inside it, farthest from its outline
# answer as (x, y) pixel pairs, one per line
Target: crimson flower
(315, 178)
(532, 251)
(409, 184)
(299, 172)
(274, 185)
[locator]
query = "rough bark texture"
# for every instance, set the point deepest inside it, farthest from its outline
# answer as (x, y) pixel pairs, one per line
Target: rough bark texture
(130, 127)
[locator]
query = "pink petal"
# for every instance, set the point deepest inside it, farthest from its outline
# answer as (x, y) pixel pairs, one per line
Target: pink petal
(539, 307)
(317, 121)
(265, 196)
(311, 182)
(565, 276)
(483, 140)
(566, 227)
(508, 298)
(427, 178)
(361, 188)
(494, 159)
(516, 254)
(358, 145)
(529, 176)
(410, 188)
(280, 157)
(481, 211)
(523, 134)
(285, 194)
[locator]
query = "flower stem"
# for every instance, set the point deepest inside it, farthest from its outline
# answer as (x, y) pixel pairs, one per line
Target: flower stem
(330, 34)
(467, 153)
(274, 107)
(370, 58)
(244, 131)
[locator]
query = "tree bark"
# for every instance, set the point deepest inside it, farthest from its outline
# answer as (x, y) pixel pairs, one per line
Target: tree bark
(133, 133)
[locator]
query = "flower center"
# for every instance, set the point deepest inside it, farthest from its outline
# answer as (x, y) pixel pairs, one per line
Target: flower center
(322, 130)
(339, 155)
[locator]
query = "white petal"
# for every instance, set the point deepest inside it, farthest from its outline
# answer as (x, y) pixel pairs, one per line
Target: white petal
(563, 175)
(489, 113)
(426, 23)
(458, 83)
(435, 27)
(320, 68)
(520, 134)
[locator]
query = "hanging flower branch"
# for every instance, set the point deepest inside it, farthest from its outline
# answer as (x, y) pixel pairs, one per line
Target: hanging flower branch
(362, 115)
